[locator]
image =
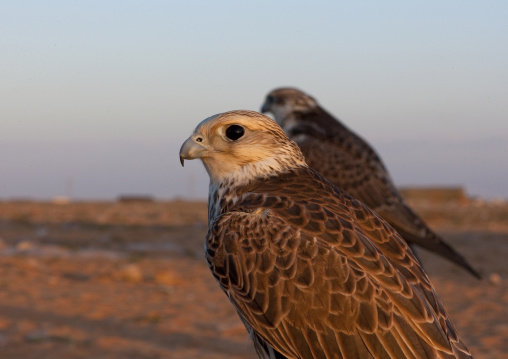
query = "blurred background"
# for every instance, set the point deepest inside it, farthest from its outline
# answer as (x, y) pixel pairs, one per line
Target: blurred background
(101, 229)
(98, 96)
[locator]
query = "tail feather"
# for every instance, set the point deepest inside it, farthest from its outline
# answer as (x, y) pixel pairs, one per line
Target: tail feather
(436, 244)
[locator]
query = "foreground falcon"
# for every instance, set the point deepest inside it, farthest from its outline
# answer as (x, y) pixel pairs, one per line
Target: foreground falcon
(351, 164)
(312, 272)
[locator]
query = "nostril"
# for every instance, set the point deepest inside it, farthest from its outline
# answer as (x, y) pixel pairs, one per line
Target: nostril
(199, 139)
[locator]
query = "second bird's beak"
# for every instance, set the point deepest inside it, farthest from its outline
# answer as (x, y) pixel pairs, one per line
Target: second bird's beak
(265, 108)
(191, 150)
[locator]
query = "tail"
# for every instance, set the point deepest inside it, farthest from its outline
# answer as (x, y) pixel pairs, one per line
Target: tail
(414, 231)
(436, 244)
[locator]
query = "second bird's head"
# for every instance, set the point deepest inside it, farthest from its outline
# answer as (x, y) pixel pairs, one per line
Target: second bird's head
(282, 102)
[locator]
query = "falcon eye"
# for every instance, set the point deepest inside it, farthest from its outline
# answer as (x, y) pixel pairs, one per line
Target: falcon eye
(278, 100)
(234, 132)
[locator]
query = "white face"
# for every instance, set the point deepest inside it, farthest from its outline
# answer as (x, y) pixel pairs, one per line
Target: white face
(238, 146)
(281, 111)
(284, 102)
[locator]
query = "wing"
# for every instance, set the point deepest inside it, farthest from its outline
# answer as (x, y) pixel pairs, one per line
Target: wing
(351, 164)
(347, 164)
(314, 278)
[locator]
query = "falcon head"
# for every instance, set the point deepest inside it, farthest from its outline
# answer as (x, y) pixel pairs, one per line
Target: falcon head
(240, 146)
(283, 101)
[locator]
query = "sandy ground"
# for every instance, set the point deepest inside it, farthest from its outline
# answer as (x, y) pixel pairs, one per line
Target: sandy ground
(113, 280)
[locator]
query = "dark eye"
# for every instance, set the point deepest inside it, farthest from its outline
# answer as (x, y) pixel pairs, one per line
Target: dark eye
(278, 100)
(234, 132)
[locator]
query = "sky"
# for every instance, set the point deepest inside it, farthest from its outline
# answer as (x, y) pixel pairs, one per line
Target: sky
(96, 97)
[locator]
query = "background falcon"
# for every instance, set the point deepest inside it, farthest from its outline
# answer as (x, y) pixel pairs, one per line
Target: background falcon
(312, 272)
(351, 164)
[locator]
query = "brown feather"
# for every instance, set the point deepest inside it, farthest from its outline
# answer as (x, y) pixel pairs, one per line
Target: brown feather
(351, 164)
(314, 273)
(367, 275)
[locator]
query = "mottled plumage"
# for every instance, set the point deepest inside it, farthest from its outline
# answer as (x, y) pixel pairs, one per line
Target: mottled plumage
(351, 164)
(311, 271)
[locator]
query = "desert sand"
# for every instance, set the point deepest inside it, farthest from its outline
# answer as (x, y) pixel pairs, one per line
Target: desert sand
(129, 280)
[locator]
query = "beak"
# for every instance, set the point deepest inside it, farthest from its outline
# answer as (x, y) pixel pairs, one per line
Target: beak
(265, 108)
(191, 150)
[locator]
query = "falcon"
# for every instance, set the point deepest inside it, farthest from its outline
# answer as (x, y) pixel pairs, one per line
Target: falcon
(311, 271)
(347, 161)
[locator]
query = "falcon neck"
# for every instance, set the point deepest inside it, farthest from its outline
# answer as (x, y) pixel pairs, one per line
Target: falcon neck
(215, 194)
(223, 196)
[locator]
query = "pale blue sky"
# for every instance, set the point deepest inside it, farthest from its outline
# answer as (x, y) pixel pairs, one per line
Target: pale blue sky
(103, 93)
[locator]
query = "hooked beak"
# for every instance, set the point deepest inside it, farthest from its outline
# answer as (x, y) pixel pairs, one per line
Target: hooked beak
(265, 108)
(191, 150)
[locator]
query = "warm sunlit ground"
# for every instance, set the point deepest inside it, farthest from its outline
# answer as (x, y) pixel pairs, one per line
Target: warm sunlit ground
(113, 280)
